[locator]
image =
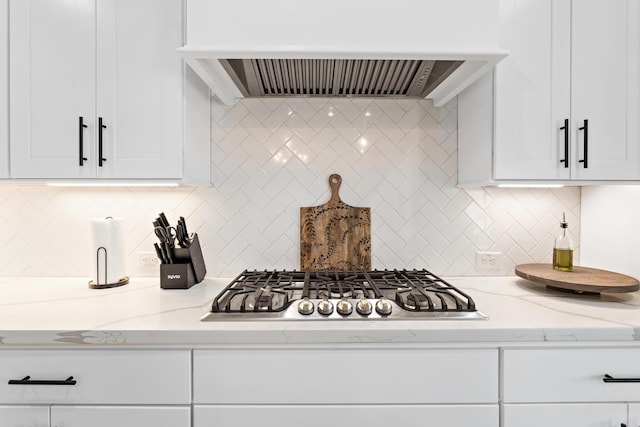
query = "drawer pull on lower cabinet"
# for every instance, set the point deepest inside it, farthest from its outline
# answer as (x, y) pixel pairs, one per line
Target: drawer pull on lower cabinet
(28, 381)
(609, 379)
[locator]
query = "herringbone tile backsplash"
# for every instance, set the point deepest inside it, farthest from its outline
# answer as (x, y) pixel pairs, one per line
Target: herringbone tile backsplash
(269, 158)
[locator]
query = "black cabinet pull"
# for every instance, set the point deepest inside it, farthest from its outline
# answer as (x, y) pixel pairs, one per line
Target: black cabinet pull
(100, 127)
(585, 128)
(81, 127)
(609, 379)
(28, 381)
(566, 143)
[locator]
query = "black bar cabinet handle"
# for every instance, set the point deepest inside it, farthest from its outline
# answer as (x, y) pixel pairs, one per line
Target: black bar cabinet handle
(609, 379)
(585, 128)
(566, 143)
(100, 127)
(81, 127)
(28, 381)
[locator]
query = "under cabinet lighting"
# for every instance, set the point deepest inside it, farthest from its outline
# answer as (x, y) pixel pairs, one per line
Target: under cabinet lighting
(530, 185)
(112, 184)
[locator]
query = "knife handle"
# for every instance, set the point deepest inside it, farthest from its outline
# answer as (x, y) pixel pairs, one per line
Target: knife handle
(159, 253)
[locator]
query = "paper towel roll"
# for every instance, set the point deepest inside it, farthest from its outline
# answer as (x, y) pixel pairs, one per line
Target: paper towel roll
(108, 247)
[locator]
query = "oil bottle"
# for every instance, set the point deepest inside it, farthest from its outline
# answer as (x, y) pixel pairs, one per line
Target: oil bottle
(563, 249)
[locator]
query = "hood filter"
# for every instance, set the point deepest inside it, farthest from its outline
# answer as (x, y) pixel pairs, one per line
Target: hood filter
(337, 77)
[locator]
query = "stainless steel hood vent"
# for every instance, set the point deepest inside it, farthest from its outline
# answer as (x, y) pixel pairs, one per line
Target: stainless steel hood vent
(337, 77)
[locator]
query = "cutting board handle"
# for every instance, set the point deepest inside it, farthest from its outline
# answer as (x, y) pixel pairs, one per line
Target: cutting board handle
(334, 182)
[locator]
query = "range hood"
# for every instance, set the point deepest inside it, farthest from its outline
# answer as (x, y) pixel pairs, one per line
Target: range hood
(405, 48)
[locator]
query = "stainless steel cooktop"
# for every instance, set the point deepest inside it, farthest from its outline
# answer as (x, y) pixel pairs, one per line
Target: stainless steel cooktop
(339, 295)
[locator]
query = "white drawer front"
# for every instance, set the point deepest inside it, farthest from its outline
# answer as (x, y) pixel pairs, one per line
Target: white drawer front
(565, 414)
(24, 416)
(334, 415)
(570, 375)
(120, 416)
(102, 376)
(325, 376)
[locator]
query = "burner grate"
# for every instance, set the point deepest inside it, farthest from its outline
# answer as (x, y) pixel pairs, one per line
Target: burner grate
(417, 291)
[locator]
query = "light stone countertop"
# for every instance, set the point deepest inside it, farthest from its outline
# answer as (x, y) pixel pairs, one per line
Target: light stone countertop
(63, 311)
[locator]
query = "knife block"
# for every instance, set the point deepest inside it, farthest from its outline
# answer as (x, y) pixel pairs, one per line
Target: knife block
(187, 270)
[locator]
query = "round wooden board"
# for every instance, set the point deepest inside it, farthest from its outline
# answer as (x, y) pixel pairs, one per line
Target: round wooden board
(581, 279)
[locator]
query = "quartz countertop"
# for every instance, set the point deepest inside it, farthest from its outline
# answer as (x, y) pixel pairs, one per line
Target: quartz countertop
(64, 311)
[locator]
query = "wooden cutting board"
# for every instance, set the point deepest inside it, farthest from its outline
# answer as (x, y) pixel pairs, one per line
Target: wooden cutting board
(581, 279)
(335, 236)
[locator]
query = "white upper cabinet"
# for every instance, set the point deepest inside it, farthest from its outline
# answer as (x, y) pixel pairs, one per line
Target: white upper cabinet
(52, 78)
(4, 86)
(602, 53)
(96, 89)
(532, 90)
(139, 87)
(563, 105)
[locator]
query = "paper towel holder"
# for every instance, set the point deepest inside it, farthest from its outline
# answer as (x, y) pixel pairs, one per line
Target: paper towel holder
(98, 285)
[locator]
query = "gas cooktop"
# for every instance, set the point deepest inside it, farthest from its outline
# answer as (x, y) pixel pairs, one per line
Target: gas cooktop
(334, 295)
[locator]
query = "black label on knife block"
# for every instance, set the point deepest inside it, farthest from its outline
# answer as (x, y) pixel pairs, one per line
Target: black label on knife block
(176, 276)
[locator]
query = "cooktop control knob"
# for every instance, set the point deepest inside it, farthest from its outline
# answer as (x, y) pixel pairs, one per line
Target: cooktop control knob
(364, 307)
(344, 307)
(325, 307)
(383, 307)
(305, 307)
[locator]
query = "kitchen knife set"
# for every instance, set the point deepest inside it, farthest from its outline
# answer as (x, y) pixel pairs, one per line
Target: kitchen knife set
(182, 263)
(168, 236)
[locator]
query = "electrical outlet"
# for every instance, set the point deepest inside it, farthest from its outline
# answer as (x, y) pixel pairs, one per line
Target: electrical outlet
(488, 262)
(147, 259)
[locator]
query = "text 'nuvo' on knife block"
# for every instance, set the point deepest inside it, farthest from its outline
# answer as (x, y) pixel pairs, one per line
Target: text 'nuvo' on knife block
(187, 269)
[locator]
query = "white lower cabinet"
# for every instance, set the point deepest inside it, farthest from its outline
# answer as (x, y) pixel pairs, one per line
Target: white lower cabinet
(97, 388)
(563, 415)
(280, 386)
(571, 387)
(350, 386)
(95, 416)
(345, 415)
(634, 415)
(120, 416)
(24, 416)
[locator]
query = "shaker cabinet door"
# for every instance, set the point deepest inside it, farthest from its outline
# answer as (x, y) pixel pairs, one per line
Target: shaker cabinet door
(52, 80)
(600, 89)
(139, 88)
(532, 90)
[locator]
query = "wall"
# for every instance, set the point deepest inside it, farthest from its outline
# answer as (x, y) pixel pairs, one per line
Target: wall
(610, 230)
(269, 157)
